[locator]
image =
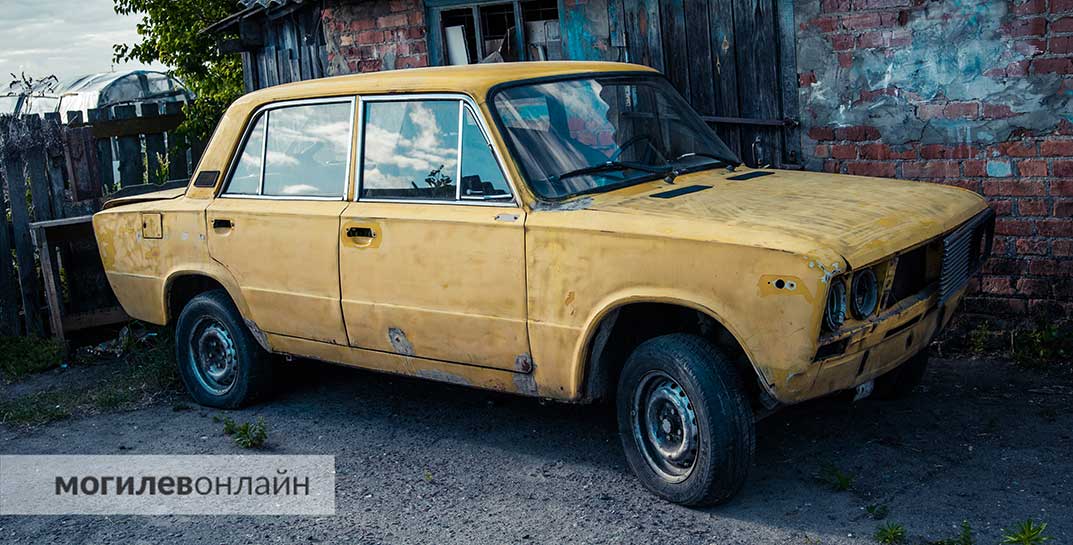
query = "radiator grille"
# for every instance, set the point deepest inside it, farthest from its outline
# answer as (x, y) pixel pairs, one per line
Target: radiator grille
(964, 251)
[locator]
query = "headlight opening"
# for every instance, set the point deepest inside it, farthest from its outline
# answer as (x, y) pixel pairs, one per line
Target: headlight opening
(834, 314)
(864, 295)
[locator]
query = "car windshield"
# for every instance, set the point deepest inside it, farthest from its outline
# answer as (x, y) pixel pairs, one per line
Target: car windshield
(599, 133)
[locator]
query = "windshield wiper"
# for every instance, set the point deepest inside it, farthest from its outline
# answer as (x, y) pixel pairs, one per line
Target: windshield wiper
(608, 166)
(675, 172)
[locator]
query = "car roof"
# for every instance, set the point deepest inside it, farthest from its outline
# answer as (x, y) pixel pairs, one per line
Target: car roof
(473, 79)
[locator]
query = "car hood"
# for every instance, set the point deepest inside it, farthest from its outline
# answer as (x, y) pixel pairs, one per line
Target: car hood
(863, 219)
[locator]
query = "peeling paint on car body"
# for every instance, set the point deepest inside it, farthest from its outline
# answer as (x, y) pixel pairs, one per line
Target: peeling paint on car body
(719, 252)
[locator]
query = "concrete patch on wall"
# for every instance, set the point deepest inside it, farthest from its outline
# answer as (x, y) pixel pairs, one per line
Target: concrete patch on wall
(975, 93)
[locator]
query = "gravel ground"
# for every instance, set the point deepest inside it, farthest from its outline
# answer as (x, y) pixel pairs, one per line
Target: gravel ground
(418, 462)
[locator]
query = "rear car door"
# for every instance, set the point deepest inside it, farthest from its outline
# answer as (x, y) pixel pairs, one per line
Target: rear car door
(432, 254)
(275, 224)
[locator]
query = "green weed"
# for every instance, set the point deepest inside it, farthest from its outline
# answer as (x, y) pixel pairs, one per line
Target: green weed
(1026, 533)
(890, 534)
(21, 356)
(835, 478)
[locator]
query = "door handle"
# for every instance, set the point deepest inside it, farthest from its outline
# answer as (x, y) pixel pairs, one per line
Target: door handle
(360, 232)
(220, 223)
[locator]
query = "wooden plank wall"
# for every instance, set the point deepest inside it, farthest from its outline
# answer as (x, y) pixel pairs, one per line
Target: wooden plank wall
(52, 171)
(293, 49)
(729, 58)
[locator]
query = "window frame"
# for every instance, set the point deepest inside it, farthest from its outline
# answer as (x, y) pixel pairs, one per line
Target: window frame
(465, 102)
(264, 110)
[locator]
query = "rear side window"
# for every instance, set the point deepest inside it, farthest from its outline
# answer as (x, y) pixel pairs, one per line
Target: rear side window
(296, 151)
(246, 179)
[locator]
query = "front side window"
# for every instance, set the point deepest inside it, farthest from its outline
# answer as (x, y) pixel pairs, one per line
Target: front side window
(427, 149)
(296, 151)
(411, 150)
(481, 177)
(598, 133)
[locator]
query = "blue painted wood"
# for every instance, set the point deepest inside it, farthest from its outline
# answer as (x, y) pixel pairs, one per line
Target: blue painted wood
(585, 31)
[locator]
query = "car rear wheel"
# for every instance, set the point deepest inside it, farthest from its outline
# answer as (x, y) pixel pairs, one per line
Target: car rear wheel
(684, 420)
(901, 381)
(220, 362)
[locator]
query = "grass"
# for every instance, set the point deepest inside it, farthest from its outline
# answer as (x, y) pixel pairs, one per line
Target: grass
(1043, 344)
(1026, 533)
(22, 356)
(877, 511)
(246, 435)
(835, 478)
(964, 538)
(148, 370)
(890, 534)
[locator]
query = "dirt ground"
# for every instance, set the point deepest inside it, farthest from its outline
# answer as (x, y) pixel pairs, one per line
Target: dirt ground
(985, 441)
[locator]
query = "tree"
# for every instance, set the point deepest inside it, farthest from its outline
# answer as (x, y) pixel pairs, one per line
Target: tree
(170, 32)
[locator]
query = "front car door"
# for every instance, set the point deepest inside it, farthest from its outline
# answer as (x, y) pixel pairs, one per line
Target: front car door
(274, 226)
(432, 254)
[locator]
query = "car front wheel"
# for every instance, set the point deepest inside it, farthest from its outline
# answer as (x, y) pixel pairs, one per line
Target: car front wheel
(220, 362)
(684, 420)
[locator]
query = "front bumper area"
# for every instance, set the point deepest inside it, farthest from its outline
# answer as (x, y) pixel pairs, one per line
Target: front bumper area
(900, 335)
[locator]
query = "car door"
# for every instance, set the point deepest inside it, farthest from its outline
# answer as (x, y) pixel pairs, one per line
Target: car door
(275, 224)
(432, 257)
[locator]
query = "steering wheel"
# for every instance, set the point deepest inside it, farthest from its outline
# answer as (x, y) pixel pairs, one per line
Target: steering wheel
(633, 142)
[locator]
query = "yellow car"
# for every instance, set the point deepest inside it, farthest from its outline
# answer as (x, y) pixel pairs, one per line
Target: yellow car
(571, 231)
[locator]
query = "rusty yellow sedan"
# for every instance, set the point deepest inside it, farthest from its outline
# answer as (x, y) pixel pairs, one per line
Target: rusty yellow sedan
(571, 231)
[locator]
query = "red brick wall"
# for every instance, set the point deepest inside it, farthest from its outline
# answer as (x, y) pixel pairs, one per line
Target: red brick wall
(371, 35)
(975, 94)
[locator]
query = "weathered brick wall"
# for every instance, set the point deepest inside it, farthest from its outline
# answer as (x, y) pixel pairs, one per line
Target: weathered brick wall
(972, 93)
(371, 35)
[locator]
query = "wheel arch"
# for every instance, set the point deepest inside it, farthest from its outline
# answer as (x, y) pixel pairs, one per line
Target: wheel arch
(624, 323)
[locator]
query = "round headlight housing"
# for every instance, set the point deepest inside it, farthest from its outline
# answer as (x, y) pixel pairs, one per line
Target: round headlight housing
(834, 314)
(864, 295)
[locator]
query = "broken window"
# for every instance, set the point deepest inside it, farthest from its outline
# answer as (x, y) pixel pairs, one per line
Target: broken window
(496, 32)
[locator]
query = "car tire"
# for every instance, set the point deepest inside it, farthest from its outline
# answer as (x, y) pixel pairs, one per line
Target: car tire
(901, 381)
(669, 381)
(219, 361)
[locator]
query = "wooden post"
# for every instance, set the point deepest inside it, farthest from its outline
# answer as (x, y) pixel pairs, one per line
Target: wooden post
(154, 145)
(82, 168)
(37, 168)
(178, 166)
(9, 305)
(24, 250)
(131, 160)
(52, 288)
(104, 150)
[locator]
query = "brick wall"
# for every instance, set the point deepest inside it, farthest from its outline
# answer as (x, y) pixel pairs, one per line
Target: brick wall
(977, 94)
(371, 35)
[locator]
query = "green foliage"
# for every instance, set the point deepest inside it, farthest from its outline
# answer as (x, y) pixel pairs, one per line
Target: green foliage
(836, 478)
(21, 356)
(877, 511)
(1043, 344)
(170, 32)
(890, 533)
(247, 435)
(979, 337)
(147, 371)
(1026, 533)
(964, 538)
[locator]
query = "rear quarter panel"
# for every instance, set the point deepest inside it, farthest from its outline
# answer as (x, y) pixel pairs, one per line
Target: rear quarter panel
(139, 269)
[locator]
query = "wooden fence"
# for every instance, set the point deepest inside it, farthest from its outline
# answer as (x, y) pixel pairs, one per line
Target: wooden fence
(54, 173)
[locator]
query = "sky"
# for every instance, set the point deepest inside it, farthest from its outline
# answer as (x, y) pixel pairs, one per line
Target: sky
(64, 38)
